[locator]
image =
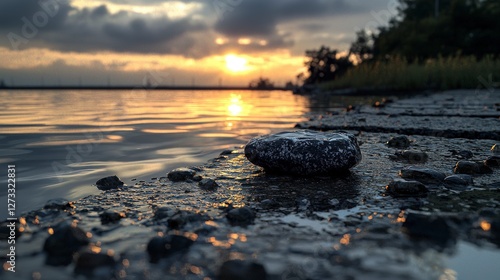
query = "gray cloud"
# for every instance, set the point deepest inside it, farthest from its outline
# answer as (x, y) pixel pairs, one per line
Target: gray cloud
(97, 29)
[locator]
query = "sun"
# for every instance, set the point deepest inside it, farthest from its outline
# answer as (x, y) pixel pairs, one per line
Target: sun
(235, 63)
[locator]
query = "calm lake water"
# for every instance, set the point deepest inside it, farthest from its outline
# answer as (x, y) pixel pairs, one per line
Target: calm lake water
(62, 142)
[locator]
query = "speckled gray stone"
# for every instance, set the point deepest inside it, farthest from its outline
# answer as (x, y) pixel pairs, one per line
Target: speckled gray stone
(304, 152)
(423, 175)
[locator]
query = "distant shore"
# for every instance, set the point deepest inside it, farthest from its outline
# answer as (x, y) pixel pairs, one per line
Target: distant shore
(131, 87)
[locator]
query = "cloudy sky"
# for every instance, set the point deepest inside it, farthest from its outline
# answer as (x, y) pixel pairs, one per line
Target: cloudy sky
(173, 42)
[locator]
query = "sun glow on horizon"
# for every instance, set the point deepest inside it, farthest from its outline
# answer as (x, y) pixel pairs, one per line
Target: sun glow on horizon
(236, 63)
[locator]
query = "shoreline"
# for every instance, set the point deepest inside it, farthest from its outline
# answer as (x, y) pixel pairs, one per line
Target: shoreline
(316, 228)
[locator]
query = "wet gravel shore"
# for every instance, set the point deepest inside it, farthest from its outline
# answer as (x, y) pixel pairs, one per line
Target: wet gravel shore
(228, 219)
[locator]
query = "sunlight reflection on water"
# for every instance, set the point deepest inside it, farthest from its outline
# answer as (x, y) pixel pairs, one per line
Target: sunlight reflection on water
(87, 135)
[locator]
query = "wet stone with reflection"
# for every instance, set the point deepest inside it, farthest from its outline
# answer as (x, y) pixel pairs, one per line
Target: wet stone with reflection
(304, 152)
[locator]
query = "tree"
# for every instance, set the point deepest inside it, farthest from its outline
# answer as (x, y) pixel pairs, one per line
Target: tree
(325, 65)
(261, 83)
(362, 48)
(468, 27)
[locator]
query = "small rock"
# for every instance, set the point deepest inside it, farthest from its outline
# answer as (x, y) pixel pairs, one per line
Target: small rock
(161, 247)
(269, 204)
(208, 185)
(412, 156)
(242, 270)
(304, 153)
(87, 262)
(431, 227)
(492, 161)
(180, 218)
(58, 203)
(466, 154)
(471, 168)
(109, 183)
(226, 152)
(459, 181)
(403, 188)
(495, 149)
(241, 216)
(163, 212)
(111, 217)
(400, 142)
(197, 178)
(181, 174)
(65, 240)
(423, 175)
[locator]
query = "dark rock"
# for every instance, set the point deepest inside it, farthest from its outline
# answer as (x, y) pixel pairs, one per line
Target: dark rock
(181, 174)
(429, 227)
(180, 218)
(109, 183)
(111, 217)
(492, 161)
(471, 167)
(462, 153)
(403, 188)
(65, 240)
(163, 212)
(269, 204)
(304, 152)
(58, 203)
(161, 247)
(242, 270)
(400, 142)
(197, 178)
(423, 175)
(208, 185)
(412, 156)
(241, 216)
(226, 152)
(87, 262)
(459, 181)
(495, 149)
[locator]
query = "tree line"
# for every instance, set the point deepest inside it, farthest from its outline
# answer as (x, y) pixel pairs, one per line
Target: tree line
(418, 33)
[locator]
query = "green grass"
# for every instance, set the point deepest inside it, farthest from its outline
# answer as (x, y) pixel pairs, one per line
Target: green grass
(438, 74)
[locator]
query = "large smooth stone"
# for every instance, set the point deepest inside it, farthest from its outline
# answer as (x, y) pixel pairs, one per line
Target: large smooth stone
(304, 152)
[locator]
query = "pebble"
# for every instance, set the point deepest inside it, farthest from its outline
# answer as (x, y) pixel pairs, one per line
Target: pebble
(429, 227)
(163, 212)
(423, 175)
(459, 181)
(65, 240)
(109, 183)
(208, 185)
(492, 161)
(471, 168)
(412, 156)
(161, 247)
(403, 188)
(400, 142)
(241, 216)
(242, 270)
(58, 203)
(304, 153)
(88, 262)
(108, 217)
(495, 149)
(181, 174)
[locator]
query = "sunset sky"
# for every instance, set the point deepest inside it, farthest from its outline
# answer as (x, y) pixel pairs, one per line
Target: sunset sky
(205, 42)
